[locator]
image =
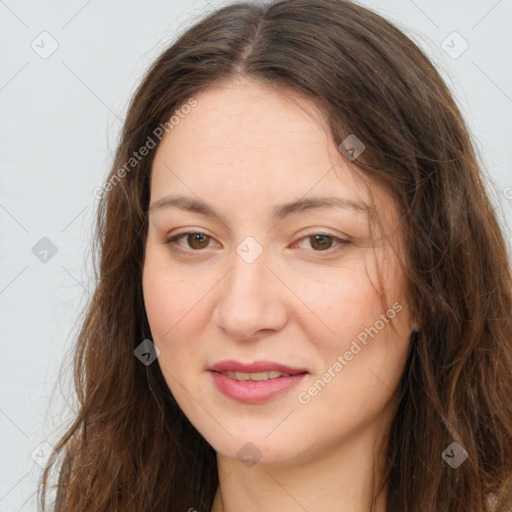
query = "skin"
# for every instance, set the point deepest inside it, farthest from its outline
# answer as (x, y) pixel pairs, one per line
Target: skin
(243, 149)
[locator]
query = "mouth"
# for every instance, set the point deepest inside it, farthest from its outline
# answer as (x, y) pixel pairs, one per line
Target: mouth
(255, 382)
(256, 376)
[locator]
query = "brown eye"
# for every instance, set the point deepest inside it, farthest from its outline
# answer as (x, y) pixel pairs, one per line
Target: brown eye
(198, 240)
(195, 241)
(321, 242)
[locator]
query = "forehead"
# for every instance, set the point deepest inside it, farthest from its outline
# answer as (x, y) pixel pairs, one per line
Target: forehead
(235, 123)
(255, 146)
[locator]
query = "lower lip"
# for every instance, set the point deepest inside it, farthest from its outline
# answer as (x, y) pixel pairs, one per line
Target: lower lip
(254, 392)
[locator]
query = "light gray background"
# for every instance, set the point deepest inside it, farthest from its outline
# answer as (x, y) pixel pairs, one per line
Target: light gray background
(60, 119)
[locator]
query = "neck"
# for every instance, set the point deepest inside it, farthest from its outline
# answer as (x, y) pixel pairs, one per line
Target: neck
(337, 478)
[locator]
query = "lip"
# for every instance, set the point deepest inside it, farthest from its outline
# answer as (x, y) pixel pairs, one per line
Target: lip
(256, 366)
(254, 391)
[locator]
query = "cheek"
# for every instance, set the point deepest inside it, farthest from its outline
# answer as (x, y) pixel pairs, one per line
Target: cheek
(168, 295)
(177, 310)
(343, 299)
(346, 311)
(159, 299)
(349, 318)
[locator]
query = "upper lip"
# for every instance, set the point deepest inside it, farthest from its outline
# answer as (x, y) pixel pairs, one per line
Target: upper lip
(256, 366)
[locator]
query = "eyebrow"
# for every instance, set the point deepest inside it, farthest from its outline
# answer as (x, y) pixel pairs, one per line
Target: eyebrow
(278, 212)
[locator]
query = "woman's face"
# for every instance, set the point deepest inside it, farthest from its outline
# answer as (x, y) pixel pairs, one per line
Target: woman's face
(281, 274)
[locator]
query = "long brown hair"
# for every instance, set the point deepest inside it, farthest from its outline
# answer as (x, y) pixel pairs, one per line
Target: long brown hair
(130, 447)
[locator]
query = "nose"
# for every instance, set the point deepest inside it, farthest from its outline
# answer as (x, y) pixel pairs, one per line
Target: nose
(251, 300)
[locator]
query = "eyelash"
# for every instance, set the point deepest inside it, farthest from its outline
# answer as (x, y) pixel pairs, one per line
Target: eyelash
(189, 252)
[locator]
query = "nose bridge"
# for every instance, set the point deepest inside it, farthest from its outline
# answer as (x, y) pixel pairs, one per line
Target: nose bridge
(250, 297)
(250, 273)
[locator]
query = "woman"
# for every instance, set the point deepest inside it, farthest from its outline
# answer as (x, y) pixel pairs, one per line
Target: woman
(303, 297)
